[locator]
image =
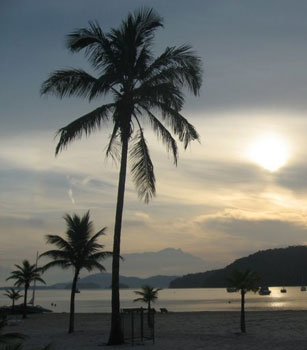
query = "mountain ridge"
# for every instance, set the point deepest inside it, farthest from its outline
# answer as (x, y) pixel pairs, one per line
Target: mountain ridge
(276, 267)
(104, 280)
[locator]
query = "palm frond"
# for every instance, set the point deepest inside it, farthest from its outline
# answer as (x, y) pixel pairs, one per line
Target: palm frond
(64, 264)
(59, 242)
(70, 82)
(104, 84)
(185, 67)
(38, 279)
(94, 238)
(142, 168)
(101, 255)
(144, 21)
(163, 133)
(150, 94)
(57, 254)
(98, 48)
(113, 148)
(138, 299)
(84, 37)
(139, 293)
(181, 127)
(142, 61)
(90, 265)
(83, 125)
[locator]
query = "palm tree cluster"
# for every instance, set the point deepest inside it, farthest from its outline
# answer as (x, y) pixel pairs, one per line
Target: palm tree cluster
(24, 276)
(80, 250)
(140, 89)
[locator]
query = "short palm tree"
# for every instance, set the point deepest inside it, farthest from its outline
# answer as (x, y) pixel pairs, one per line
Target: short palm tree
(140, 89)
(14, 295)
(148, 295)
(243, 281)
(80, 250)
(24, 276)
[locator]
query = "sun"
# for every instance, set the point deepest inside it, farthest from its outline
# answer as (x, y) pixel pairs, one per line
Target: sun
(271, 152)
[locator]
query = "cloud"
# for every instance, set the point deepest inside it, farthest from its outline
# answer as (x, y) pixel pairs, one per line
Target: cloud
(22, 222)
(234, 174)
(293, 178)
(267, 228)
(70, 195)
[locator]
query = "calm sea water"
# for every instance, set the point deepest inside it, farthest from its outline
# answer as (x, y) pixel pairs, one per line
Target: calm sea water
(209, 299)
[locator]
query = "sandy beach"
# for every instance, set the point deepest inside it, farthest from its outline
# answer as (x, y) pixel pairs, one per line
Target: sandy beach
(189, 330)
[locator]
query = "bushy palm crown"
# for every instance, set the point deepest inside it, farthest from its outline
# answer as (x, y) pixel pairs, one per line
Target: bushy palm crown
(12, 294)
(247, 280)
(140, 84)
(148, 294)
(25, 274)
(80, 249)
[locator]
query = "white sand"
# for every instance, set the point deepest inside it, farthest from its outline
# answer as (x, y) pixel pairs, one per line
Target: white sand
(189, 330)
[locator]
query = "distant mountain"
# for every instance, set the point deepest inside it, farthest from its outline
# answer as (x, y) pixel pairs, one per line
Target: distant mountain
(103, 280)
(276, 267)
(168, 261)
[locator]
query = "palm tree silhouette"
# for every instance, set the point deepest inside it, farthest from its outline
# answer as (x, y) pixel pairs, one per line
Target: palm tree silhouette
(13, 294)
(79, 250)
(243, 281)
(148, 295)
(24, 276)
(139, 86)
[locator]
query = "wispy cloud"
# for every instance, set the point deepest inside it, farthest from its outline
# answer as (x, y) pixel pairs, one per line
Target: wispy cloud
(70, 194)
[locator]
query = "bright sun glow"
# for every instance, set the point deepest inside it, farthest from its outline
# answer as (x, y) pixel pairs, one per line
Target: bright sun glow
(270, 151)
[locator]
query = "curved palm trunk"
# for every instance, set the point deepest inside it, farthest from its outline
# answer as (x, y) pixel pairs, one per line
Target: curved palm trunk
(72, 303)
(242, 323)
(24, 312)
(116, 334)
(13, 306)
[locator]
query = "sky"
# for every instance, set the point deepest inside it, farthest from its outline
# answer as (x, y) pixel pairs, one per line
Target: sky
(243, 188)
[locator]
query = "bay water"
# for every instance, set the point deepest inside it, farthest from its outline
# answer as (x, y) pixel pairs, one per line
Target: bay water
(183, 300)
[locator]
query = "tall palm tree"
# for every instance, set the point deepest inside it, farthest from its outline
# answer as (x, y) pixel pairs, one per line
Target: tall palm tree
(139, 88)
(243, 281)
(13, 294)
(79, 250)
(24, 276)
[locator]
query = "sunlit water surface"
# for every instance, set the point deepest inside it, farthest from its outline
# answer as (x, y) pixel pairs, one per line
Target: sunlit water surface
(207, 299)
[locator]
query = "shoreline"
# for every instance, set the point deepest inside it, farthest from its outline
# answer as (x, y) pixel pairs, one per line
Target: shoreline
(209, 330)
(185, 312)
